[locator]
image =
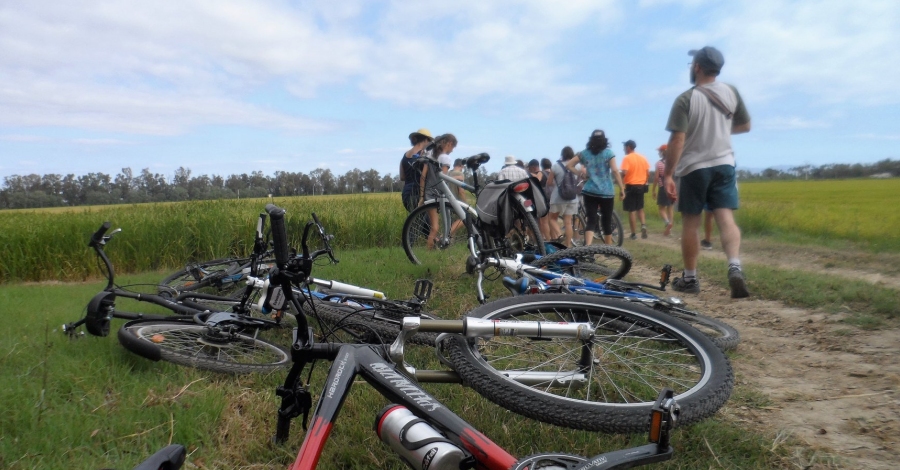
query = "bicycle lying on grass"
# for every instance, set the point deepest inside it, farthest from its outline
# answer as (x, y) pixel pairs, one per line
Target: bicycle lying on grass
(563, 273)
(576, 361)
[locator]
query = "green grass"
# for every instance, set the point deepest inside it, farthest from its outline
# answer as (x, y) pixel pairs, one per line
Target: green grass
(88, 403)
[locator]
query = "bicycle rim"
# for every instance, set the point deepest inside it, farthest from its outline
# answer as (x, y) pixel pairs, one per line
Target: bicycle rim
(190, 344)
(607, 384)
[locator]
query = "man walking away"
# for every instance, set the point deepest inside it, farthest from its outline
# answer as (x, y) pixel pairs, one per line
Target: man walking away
(699, 153)
(636, 175)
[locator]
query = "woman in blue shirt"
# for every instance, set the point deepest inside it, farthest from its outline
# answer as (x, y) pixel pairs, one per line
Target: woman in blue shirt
(599, 163)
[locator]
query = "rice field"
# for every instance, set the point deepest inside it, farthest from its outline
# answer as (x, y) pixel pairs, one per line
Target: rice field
(857, 210)
(40, 245)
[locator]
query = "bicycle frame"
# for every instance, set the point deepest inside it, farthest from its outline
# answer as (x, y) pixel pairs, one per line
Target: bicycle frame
(399, 386)
(543, 280)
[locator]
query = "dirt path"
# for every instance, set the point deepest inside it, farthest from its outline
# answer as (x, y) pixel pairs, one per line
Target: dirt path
(822, 382)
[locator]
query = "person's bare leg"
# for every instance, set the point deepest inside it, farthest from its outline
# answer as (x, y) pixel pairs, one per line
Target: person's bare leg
(433, 216)
(707, 225)
(731, 243)
(631, 221)
(690, 240)
(567, 222)
(729, 232)
(643, 219)
(554, 226)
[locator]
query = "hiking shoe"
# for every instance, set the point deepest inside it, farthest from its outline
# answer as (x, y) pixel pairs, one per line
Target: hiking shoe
(688, 286)
(633, 236)
(737, 283)
(643, 231)
(706, 244)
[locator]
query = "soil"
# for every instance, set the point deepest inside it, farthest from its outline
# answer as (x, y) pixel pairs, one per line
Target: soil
(814, 380)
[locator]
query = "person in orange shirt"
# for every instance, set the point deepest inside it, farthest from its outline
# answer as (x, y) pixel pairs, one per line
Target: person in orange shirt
(635, 174)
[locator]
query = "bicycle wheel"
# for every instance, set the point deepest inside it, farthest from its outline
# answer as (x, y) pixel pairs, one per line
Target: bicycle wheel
(187, 343)
(218, 276)
(596, 262)
(526, 235)
(722, 334)
(373, 322)
(580, 222)
(416, 231)
(606, 384)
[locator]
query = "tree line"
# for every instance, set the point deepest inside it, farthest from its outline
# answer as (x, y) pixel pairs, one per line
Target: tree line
(52, 190)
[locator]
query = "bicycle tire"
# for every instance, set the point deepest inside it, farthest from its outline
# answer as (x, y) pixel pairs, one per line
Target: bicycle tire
(616, 396)
(186, 343)
(723, 335)
(202, 277)
(416, 229)
(379, 323)
(605, 261)
(534, 242)
(618, 235)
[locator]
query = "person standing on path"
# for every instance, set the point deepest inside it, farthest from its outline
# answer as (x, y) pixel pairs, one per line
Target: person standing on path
(599, 195)
(663, 201)
(699, 153)
(410, 194)
(636, 175)
(558, 205)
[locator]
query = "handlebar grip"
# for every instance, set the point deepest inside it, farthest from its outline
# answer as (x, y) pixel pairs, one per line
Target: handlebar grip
(279, 234)
(97, 237)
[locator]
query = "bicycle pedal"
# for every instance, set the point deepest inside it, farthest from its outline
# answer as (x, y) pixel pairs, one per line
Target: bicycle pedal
(422, 289)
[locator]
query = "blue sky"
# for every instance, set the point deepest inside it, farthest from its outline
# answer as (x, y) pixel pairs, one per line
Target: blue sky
(235, 87)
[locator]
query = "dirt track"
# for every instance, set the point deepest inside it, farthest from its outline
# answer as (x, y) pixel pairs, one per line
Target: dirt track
(822, 382)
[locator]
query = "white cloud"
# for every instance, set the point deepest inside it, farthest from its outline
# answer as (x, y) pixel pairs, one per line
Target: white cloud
(830, 51)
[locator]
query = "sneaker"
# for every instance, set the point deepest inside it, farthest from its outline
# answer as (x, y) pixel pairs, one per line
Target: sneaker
(668, 231)
(737, 283)
(633, 236)
(706, 244)
(688, 286)
(643, 231)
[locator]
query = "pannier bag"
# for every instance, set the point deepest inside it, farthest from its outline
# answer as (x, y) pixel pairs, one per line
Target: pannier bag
(495, 206)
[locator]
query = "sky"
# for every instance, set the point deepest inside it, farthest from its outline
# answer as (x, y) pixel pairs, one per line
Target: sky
(234, 87)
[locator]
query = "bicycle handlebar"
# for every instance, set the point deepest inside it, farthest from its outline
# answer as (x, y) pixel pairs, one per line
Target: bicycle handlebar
(97, 237)
(279, 234)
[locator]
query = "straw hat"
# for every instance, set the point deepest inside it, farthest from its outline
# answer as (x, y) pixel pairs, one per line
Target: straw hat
(422, 132)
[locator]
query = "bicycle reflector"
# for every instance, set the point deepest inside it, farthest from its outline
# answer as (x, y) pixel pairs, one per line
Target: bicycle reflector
(663, 417)
(521, 187)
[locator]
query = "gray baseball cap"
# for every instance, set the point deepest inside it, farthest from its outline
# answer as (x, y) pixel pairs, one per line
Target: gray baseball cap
(709, 58)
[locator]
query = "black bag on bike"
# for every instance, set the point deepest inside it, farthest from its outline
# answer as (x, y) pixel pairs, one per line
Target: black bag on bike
(495, 207)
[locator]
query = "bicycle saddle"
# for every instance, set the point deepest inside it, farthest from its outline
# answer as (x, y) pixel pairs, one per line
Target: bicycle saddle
(475, 161)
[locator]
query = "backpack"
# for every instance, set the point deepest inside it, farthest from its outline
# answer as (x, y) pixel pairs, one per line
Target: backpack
(568, 187)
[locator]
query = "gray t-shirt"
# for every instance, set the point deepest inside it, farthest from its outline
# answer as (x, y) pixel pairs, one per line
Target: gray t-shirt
(707, 131)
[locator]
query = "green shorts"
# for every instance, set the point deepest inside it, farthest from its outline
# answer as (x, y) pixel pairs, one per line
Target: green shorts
(714, 188)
